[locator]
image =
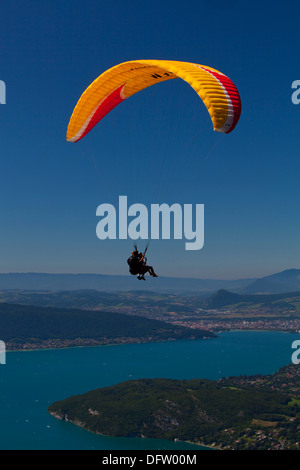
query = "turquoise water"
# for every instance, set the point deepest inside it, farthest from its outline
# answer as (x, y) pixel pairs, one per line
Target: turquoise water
(30, 381)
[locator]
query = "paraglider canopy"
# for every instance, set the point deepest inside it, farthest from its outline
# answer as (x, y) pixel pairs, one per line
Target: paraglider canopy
(113, 86)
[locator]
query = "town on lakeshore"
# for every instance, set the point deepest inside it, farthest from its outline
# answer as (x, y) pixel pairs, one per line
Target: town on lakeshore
(180, 316)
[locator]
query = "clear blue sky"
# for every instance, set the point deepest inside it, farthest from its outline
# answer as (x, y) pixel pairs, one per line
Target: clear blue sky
(248, 180)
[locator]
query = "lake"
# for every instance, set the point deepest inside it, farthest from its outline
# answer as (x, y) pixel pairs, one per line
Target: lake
(32, 380)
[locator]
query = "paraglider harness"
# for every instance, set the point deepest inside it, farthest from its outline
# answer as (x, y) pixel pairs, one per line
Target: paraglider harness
(137, 261)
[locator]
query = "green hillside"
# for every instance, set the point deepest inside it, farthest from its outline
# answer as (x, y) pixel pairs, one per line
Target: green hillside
(43, 327)
(224, 298)
(232, 413)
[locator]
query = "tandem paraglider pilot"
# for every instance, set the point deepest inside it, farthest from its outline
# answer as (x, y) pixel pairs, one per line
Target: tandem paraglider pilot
(138, 265)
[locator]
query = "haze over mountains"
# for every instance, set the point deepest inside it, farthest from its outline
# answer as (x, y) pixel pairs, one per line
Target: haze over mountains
(102, 282)
(224, 298)
(285, 281)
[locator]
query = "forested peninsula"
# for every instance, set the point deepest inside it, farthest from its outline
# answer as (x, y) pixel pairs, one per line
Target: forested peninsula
(256, 412)
(31, 327)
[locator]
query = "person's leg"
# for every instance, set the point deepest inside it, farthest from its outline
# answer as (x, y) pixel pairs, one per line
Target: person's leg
(151, 271)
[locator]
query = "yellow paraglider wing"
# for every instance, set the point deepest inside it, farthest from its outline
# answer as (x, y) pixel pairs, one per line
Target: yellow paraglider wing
(217, 91)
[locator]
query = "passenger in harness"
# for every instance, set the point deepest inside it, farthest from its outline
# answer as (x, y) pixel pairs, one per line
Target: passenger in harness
(138, 265)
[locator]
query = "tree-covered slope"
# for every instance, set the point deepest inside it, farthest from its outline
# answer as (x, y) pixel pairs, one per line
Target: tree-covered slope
(21, 324)
(223, 298)
(221, 412)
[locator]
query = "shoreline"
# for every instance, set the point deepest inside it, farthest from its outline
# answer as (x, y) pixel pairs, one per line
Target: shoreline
(81, 426)
(122, 343)
(141, 341)
(60, 410)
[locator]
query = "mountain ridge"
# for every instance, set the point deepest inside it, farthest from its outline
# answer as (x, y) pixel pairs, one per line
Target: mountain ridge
(34, 326)
(281, 282)
(277, 283)
(223, 298)
(105, 282)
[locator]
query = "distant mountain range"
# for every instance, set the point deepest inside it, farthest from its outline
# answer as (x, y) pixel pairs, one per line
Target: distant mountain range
(223, 298)
(285, 281)
(107, 283)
